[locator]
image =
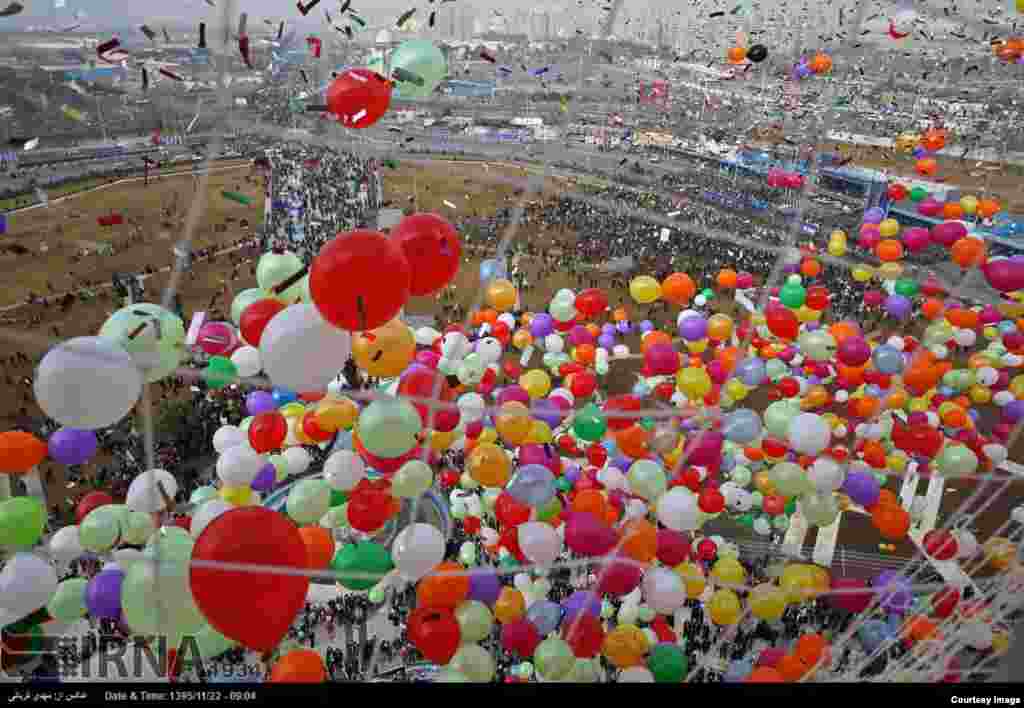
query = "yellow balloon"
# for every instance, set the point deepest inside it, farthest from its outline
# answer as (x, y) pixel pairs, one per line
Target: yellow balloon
(501, 295)
(724, 607)
(969, 204)
(697, 347)
(536, 383)
(522, 339)
(890, 271)
(489, 465)
(767, 602)
(837, 235)
(837, 247)
(645, 289)
(332, 415)
(862, 274)
(736, 389)
(889, 228)
(625, 646)
(1017, 386)
(540, 434)
(488, 435)
(385, 351)
(980, 394)
(439, 442)
(728, 571)
(292, 410)
(806, 314)
(514, 423)
(693, 578)
(799, 582)
(720, 327)
(239, 496)
(694, 382)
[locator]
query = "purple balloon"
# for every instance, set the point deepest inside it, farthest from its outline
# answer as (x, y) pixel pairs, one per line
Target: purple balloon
(260, 402)
(646, 326)
(484, 587)
(549, 412)
(898, 306)
(581, 601)
(606, 341)
(874, 215)
(515, 392)
(693, 328)
(608, 328)
(264, 481)
(624, 327)
(1013, 411)
(543, 455)
(69, 446)
(542, 325)
(862, 487)
(103, 594)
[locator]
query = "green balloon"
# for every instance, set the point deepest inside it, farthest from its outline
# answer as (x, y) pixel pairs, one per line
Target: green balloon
(388, 427)
(793, 295)
(818, 345)
(906, 287)
(668, 663)
(819, 509)
(918, 194)
(550, 510)
(100, 529)
(336, 517)
(475, 621)
(746, 520)
(201, 495)
(244, 299)
(158, 347)
(647, 478)
(275, 268)
(338, 497)
(212, 643)
(220, 372)
(741, 475)
(138, 526)
(775, 369)
(777, 417)
(957, 461)
(553, 659)
(68, 603)
(789, 479)
(589, 423)
(423, 63)
(308, 501)
(474, 662)
(363, 558)
(412, 479)
(156, 596)
(22, 520)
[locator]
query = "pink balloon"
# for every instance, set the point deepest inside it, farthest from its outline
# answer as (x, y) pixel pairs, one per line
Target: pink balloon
(217, 338)
(948, 232)
(588, 536)
(929, 207)
(771, 657)
(916, 239)
(851, 602)
(704, 449)
(428, 358)
(1004, 275)
(662, 359)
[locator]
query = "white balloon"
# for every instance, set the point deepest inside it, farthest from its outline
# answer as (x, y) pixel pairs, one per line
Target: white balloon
(1002, 398)
(620, 350)
(995, 452)
(207, 512)
(762, 527)
(611, 478)
(300, 351)
(1017, 515)
(87, 383)
(554, 343)
(144, 493)
(239, 465)
(664, 590)
(966, 544)
(471, 407)
(64, 545)
(826, 475)
(298, 459)
(539, 542)
(27, 583)
(343, 470)
(417, 550)
(965, 337)
(228, 436)
(809, 433)
(636, 674)
(426, 336)
(247, 360)
(677, 509)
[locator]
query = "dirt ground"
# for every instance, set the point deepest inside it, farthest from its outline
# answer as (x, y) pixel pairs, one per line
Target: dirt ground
(146, 238)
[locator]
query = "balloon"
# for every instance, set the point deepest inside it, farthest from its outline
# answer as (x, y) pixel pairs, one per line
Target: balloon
(431, 246)
(360, 280)
(539, 543)
(300, 351)
(299, 666)
(359, 97)
(385, 351)
(20, 452)
(256, 317)
(144, 493)
(87, 383)
(417, 549)
(361, 565)
(22, 520)
(417, 58)
(157, 349)
(229, 599)
(27, 582)
(644, 289)
(388, 427)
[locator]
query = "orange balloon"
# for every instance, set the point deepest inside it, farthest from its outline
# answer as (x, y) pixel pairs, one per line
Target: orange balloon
(891, 520)
(931, 308)
(620, 314)
(727, 278)
(968, 252)
(737, 55)
(791, 668)
(640, 540)
(476, 318)
(765, 674)
(952, 211)
(589, 501)
(446, 586)
(299, 666)
(585, 353)
(319, 546)
(729, 357)
(810, 268)
(962, 317)
(842, 330)
(926, 167)
(933, 140)
(851, 375)
(987, 208)
(633, 441)
(20, 452)
(889, 250)
(810, 648)
(678, 289)
(652, 338)
(510, 605)
(886, 497)
(821, 63)
(919, 627)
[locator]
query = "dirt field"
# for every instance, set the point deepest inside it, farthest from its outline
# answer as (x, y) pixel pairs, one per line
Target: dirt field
(65, 227)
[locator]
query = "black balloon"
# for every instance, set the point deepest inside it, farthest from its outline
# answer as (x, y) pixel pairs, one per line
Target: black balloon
(758, 53)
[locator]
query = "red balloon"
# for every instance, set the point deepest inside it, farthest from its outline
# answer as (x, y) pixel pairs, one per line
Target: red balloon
(359, 97)
(591, 303)
(520, 637)
(431, 246)
(619, 578)
(360, 280)
(945, 601)
(510, 511)
(253, 608)
(92, 500)
(673, 547)
(267, 431)
(434, 631)
(256, 317)
(597, 455)
(421, 382)
(313, 431)
(782, 322)
(940, 544)
(583, 384)
(368, 509)
(584, 635)
(711, 501)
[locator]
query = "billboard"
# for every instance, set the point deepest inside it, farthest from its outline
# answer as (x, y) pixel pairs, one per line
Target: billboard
(470, 89)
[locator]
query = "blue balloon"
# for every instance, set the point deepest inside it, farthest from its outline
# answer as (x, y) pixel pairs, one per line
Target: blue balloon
(742, 426)
(493, 268)
(887, 359)
(751, 371)
(533, 485)
(545, 616)
(282, 396)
